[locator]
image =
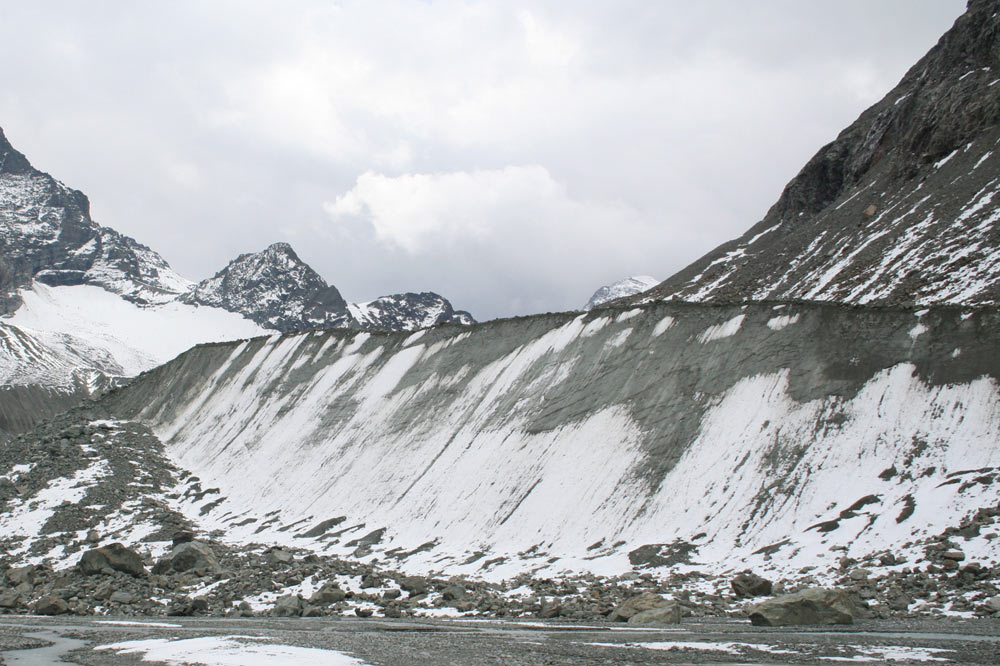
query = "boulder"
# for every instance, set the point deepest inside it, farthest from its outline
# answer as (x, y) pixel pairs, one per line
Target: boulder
(121, 597)
(188, 556)
(330, 593)
(813, 605)
(11, 599)
(287, 606)
(185, 606)
(670, 613)
(370, 580)
(454, 593)
(182, 536)
(550, 609)
(50, 605)
(20, 575)
(114, 556)
(643, 602)
(279, 557)
(414, 584)
(748, 584)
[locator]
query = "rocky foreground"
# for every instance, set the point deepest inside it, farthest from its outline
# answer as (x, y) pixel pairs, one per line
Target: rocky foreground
(69, 549)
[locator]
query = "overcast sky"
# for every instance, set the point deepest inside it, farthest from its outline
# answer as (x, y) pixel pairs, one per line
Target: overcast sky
(512, 156)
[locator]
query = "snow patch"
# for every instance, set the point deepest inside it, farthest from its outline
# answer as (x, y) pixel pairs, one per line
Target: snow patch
(723, 330)
(228, 651)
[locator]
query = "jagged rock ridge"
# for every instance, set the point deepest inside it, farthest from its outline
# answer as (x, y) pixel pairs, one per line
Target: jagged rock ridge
(901, 208)
(278, 290)
(273, 288)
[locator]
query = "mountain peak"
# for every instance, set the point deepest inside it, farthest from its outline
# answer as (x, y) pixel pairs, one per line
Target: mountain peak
(898, 209)
(626, 287)
(274, 288)
(12, 161)
(48, 235)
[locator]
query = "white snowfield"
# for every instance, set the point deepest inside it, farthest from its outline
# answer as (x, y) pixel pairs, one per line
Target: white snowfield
(59, 331)
(567, 442)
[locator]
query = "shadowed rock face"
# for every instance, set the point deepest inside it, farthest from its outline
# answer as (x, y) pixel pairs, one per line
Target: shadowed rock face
(900, 208)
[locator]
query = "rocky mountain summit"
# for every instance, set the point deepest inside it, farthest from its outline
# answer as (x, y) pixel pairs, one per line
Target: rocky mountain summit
(626, 287)
(279, 291)
(47, 234)
(901, 208)
(274, 288)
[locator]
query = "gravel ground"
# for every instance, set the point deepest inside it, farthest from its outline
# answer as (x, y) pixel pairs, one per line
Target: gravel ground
(404, 642)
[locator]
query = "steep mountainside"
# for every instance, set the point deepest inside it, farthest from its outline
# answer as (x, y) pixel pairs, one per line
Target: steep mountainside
(901, 208)
(47, 235)
(279, 291)
(777, 436)
(621, 289)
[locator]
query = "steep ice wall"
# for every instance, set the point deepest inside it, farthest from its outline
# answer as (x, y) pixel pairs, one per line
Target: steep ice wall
(713, 435)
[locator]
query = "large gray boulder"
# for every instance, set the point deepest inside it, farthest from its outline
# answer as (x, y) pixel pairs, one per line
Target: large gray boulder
(189, 556)
(637, 604)
(50, 605)
(287, 606)
(115, 557)
(670, 613)
(814, 605)
(330, 593)
(748, 584)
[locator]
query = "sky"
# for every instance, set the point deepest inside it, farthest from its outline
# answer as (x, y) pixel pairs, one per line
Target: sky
(511, 156)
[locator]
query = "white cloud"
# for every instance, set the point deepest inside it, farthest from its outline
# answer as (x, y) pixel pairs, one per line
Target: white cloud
(516, 228)
(674, 124)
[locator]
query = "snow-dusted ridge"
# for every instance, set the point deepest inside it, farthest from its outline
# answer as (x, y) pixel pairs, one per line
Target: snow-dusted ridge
(626, 287)
(901, 208)
(545, 442)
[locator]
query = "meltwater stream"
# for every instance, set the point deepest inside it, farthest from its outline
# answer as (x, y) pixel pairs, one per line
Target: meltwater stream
(43, 656)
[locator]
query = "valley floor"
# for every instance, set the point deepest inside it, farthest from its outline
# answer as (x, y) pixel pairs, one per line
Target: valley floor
(335, 642)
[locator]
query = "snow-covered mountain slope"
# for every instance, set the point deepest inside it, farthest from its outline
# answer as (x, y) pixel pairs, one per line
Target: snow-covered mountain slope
(136, 337)
(64, 344)
(903, 207)
(47, 235)
(780, 436)
(626, 287)
(278, 290)
(43, 373)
